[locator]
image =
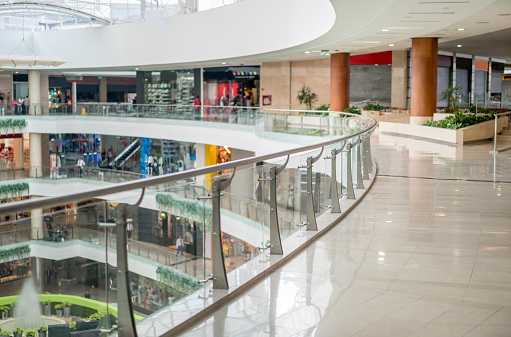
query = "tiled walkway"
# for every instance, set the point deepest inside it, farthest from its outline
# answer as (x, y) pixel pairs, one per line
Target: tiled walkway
(427, 253)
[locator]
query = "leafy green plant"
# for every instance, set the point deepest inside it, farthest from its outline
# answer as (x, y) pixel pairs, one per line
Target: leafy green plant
(323, 107)
(12, 124)
(352, 110)
(455, 123)
(14, 190)
(191, 209)
(67, 304)
(30, 334)
(72, 326)
(17, 331)
(307, 97)
(59, 306)
(19, 252)
(179, 283)
(453, 96)
(47, 302)
(372, 107)
(42, 328)
(5, 333)
(5, 308)
(97, 315)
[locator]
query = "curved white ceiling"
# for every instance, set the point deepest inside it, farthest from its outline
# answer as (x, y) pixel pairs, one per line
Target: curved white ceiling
(253, 31)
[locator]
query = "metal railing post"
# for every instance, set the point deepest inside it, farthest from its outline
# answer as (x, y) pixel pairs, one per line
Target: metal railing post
(334, 193)
(219, 272)
(368, 154)
(311, 216)
(365, 166)
(275, 240)
(125, 308)
(350, 192)
(360, 182)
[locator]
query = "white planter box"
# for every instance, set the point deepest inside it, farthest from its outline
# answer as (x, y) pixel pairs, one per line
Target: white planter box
(479, 131)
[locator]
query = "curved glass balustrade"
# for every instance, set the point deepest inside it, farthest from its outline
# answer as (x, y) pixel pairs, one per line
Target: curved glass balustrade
(188, 244)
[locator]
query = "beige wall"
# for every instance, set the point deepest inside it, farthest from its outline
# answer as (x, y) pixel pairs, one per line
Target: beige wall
(282, 80)
(399, 78)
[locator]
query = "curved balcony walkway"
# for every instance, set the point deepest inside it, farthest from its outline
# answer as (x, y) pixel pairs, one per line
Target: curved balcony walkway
(426, 253)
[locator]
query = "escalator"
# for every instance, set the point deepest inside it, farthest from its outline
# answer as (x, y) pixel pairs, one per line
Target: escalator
(128, 152)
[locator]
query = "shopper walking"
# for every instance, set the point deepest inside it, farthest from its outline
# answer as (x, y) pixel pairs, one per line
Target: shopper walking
(179, 245)
(80, 164)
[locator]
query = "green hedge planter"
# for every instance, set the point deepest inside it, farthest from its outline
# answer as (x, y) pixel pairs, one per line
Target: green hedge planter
(16, 253)
(14, 190)
(191, 209)
(178, 283)
(12, 124)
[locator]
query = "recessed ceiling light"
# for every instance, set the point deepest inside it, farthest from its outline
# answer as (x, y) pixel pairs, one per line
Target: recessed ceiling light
(384, 30)
(307, 52)
(136, 68)
(223, 62)
(391, 45)
(459, 46)
(376, 64)
(16, 72)
(460, 29)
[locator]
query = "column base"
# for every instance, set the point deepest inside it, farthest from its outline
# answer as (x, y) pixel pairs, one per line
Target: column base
(418, 120)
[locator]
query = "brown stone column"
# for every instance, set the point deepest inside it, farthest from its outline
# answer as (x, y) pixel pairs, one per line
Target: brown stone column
(424, 79)
(339, 81)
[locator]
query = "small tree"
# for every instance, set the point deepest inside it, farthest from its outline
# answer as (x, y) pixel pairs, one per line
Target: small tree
(307, 97)
(453, 96)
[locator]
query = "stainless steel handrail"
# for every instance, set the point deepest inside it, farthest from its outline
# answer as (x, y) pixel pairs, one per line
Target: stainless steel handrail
(128, 186)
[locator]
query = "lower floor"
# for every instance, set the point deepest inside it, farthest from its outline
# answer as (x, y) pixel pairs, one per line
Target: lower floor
(426, 253)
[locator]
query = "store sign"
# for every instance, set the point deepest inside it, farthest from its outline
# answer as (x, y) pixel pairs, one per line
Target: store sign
(245, 75)
(266, 99)
(506, 77)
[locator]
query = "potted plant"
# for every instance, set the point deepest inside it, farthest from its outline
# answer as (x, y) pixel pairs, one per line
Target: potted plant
(5, 333)
(59, 310)
(5, 311)
(47, 308)
(42, 331)
(17, 332)
(30, 334)
(72, 326)
(307, 97)
(67, 309)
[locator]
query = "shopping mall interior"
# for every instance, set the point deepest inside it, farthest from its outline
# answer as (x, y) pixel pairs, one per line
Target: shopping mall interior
(255, 168)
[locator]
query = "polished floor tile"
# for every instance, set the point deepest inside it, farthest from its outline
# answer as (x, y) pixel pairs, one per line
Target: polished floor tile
(426, 253)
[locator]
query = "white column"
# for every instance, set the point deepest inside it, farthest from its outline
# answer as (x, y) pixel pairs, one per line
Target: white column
(200, 158)
(73, 94)
(36, 221)
(36, 158)
(43, 93)
(34, 92)
(103, 89)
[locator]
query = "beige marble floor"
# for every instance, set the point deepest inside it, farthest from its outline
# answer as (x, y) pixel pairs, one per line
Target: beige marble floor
(427, 253)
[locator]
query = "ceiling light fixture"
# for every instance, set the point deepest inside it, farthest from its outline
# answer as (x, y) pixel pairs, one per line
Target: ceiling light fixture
(136, 68)
(460, 29)
(391, 45)
(307, 52)
(384, 30)
(459, 46)
(223, 62)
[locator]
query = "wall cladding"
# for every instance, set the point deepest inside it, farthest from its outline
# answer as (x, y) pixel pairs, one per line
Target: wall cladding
(371, 82)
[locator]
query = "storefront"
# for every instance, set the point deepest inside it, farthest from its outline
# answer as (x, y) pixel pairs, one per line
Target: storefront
(231, 86)
(169, 87)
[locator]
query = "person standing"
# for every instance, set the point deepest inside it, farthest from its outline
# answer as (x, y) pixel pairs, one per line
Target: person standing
(80, 164)
(48, 276)
(179, 245)
(196, 108)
